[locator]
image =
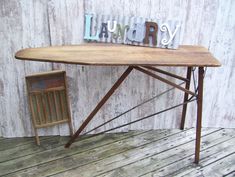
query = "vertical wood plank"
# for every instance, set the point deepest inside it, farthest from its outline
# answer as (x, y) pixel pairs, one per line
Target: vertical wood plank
(63, 113)
(35, 33)
(43, 96)
(39, 110)
(66, 20)
(48, 107)
(12, 108)
(57, 117)
(220, 43)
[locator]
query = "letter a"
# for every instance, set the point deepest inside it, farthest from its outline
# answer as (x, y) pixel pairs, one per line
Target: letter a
(104, 30)
(88, 29)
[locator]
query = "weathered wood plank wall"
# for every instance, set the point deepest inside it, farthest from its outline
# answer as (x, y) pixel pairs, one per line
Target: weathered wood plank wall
(56, 22)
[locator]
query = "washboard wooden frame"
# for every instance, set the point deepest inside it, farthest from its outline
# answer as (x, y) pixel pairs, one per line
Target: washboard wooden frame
(48, 100)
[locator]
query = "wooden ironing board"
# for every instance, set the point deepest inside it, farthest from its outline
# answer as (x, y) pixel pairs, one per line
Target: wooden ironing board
(143, 59)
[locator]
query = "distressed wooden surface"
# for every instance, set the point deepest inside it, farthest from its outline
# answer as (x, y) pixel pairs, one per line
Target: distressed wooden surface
(136, 153)
(43, 23)
(118, 55)
(23, 24)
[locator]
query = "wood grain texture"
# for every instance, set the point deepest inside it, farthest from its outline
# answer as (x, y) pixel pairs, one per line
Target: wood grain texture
(48, 99)
(106, 54)
(66, 27)
(43, 23)
(136, 153)
(24, 25)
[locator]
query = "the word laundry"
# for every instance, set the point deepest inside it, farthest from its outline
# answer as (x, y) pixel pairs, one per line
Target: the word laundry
(145, 33)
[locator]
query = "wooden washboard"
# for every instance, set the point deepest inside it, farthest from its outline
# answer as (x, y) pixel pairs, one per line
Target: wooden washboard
(48, 100)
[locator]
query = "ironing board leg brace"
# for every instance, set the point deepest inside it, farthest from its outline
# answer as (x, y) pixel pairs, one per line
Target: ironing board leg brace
(99, 105)
(186, 90)
(187, 86)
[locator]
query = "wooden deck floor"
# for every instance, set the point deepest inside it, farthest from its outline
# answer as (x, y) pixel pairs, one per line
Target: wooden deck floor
(136, 153)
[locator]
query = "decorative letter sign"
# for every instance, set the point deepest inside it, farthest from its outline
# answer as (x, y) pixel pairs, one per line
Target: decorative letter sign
(88, 29)
(132, 31)
(150, 32)
(136, 34)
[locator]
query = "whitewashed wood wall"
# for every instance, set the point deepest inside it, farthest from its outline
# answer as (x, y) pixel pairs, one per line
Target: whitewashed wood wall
(36, 23)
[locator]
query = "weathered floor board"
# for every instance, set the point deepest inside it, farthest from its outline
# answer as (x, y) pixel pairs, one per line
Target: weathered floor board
(8, 143)
(136, 153)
